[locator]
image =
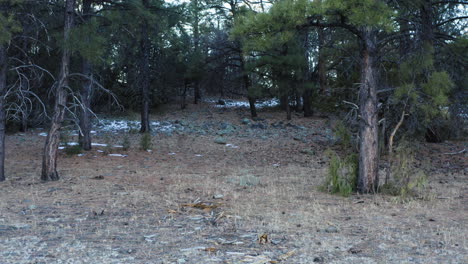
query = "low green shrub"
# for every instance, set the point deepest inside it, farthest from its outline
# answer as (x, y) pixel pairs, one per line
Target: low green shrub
(73, 150)
(126, 144)
(342, 174)
(146, 141)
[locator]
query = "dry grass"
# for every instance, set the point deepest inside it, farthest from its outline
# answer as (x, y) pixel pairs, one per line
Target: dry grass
(130, 210)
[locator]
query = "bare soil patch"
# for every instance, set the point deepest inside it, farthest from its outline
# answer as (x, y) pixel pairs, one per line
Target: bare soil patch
(192, 200)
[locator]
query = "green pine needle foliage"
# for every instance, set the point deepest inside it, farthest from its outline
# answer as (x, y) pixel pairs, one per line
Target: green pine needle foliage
(146, 141)
(342, 174)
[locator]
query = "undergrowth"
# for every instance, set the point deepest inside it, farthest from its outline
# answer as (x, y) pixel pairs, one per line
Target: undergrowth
(342, 174)
(406, 180)
(146, 141)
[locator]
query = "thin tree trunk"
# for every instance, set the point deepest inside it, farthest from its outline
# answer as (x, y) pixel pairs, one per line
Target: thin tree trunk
(144, 75)
(253, 109)
(84, 137)
(184, 95)
(49, 161)
(390, 146)
(368, 180)
(196, 95)
(3, 84)
(288, 109)
(307, 105)
(248, 87)
(196, 36)
(322, 63)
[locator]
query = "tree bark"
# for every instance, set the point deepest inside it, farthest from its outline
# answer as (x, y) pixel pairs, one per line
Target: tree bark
(3, 87)
(196, 36)
(253, 109)
(49, 161)
(322, 70)
(307, 105)
(144, 75)
(84, 137)
(288, 109)
(247, 86)
(368, 180)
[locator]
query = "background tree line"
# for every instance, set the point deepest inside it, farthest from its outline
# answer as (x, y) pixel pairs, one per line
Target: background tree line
(387, 67)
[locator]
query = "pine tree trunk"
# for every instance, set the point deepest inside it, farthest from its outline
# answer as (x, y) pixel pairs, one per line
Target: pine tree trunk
(49, 161)
(84, 137)
(368, 126)
(196, 95)
(184, 95)
(3, 87)
(144, 75)
(321, 63)
(307, 105)
(288, 109)
(247, 87)
(253, 109)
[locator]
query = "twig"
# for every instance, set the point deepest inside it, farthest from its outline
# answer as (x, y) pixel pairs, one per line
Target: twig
(455, 153)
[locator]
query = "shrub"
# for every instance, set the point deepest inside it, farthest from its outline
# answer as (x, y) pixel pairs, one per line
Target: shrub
(73, 150)
(406, 180)
(342, 174)
(126, 143)
(343, 134)
(146, 141)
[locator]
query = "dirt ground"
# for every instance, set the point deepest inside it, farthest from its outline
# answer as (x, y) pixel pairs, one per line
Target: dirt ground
(191, 200)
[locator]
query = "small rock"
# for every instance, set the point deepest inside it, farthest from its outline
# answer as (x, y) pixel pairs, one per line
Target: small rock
(318, 259)
(308, 152)
(331, 229)
(220, 140)
(246, 121)
(218, 196)
(221, 102)
(258, 126)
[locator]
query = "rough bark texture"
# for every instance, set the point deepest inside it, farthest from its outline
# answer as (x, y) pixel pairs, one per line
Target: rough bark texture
(144, 75)
(427, 17)
(85, 117)
(368, 126)
(49, 161)
(322, 71)
(3, 83)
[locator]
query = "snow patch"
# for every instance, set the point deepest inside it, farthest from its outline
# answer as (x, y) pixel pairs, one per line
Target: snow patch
(118, 155)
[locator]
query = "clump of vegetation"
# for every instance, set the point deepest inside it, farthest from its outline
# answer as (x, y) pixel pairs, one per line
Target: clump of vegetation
(343, 134)
(108, 147)
(146, 141)
(131, 128)
(73, 150)
(342, 174)
(406, 180)
(126, 143)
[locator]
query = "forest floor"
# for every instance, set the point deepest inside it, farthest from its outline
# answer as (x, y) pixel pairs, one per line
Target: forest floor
(218, 188)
